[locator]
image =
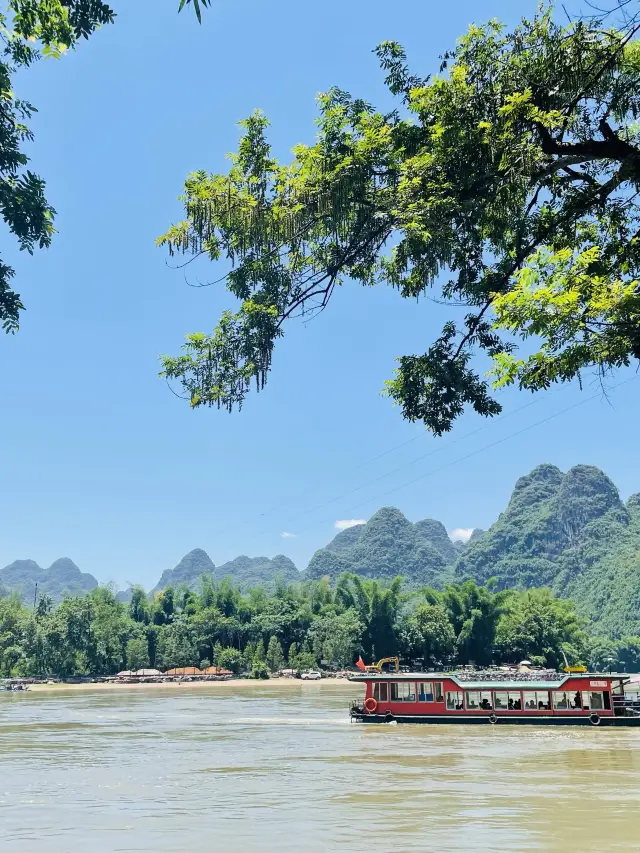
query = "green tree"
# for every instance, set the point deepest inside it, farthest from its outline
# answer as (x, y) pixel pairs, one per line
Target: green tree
(302, 660)
(109, 632)
(336, 637)
(614, 655)
(474, 612)
(259, 668)
(540, 627)
(275, 656)
(286, 618)
(247, 656)
(207, 624)
(230, 659)
(45, 606)
(629, 654)
(137, 653)
(436, 634)
(376, 607)
(509, 182)
(163, 607)
(12, 623)
(139, 605)
(217, 651)
(177, 645)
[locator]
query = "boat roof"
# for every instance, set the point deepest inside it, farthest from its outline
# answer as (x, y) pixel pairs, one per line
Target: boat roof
(491, 681)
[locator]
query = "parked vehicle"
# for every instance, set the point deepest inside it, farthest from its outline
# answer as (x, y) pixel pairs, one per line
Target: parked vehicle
(311, 675)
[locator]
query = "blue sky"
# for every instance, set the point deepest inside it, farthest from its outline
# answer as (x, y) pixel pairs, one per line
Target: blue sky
(101, 462)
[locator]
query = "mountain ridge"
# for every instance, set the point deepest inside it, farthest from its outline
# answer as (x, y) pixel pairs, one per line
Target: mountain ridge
(569, 531)
(62, 578)
(387, 545)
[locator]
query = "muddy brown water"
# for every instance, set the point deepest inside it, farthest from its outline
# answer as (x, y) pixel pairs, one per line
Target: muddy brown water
(268, 770)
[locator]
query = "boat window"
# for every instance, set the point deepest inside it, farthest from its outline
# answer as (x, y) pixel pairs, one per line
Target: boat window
(403, 691)
(535, 700)
(507, 701)
(425, 691)
(501, 699)
(472, 698)
(454, 700)
(478, 700)
(561, 700)
(596, 701)
(438, 692)
(515, 701)
(575, 701)
(485, 700)
(381, 691)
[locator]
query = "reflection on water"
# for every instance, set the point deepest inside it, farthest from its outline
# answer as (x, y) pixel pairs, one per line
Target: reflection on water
(264, 770)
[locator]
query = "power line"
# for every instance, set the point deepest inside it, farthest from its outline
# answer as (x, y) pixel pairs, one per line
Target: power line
(322, 483)
(433, 452)
(346, 473)
(303, 494)
(473, 453)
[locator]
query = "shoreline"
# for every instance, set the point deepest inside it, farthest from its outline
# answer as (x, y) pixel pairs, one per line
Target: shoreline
(243, 683)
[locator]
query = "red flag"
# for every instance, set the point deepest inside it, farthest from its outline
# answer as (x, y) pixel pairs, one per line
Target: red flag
(360, 663)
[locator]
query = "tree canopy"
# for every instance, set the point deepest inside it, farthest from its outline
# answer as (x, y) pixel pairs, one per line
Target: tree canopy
(29, 30)
(299, 625)
(507, 184)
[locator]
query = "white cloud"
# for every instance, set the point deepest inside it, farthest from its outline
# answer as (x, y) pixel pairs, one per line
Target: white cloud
(286, 535)
(348, 522)
(461, 534)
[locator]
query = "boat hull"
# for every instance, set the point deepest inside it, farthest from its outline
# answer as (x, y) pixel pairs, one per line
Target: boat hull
(511, 720)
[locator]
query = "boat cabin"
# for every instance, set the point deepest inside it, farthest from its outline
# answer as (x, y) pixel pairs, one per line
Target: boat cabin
(494, 695)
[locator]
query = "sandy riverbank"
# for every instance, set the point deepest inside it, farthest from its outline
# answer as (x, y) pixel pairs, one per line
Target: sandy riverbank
(235, 683)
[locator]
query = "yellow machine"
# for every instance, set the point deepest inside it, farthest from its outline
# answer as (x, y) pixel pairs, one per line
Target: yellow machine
(575, 669)
(377, 667)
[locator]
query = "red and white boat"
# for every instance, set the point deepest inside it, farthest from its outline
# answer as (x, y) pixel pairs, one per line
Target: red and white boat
(523, 697)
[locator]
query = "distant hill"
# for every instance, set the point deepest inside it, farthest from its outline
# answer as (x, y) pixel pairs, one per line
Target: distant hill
(62, 578)
(254, 571)
(570, 532)
(188, 571)
(245, 571)
(602, 571)
(386, 546)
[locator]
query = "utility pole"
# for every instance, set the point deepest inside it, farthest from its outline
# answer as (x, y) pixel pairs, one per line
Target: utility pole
(35, 596)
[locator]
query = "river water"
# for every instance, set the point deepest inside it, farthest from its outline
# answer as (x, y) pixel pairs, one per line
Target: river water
(272, 769)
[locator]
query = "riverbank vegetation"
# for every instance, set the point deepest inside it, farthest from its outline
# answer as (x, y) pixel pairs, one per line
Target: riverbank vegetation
(300, 625)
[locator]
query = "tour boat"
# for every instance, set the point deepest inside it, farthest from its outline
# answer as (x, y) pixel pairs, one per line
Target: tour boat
(496, 697)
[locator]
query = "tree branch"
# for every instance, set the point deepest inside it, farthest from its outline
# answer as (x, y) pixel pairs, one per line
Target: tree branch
(610, 148)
